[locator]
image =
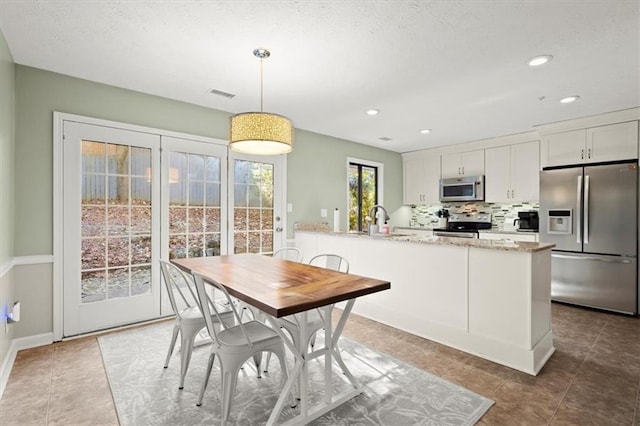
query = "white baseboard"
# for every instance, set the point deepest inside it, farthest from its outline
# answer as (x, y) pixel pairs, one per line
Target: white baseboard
(18, 345)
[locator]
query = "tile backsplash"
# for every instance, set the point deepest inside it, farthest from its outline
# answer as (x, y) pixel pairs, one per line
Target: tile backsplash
(424, 215)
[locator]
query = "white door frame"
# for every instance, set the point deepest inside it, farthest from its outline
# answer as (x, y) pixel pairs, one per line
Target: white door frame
(58, 144)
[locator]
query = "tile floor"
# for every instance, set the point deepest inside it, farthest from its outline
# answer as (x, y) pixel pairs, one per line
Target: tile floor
(592, 379)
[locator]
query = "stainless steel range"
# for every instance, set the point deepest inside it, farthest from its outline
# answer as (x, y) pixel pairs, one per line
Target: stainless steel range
(464, 225)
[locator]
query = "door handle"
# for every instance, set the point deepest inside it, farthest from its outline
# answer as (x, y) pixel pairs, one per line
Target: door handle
(586, 209)
(578, 213)
(597, 259)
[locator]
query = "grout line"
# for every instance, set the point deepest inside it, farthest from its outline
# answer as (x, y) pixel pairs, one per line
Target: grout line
(636, 413)
(53, 354)
(573, 379)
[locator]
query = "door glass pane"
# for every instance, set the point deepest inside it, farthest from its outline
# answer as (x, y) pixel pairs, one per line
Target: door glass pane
(194, 205)
(253, 207)
(116, 235)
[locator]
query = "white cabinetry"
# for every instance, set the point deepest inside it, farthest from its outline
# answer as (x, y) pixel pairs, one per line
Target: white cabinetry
(512, 173)
(421, 180)
(469, 163)
(596, 144)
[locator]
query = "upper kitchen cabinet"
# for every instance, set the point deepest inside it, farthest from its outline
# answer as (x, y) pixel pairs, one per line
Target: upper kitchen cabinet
(512, 173)
(421, 179)
(593, 145)
(468, 163)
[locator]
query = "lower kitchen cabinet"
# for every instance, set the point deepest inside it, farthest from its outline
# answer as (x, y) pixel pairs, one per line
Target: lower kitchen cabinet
(493, 303)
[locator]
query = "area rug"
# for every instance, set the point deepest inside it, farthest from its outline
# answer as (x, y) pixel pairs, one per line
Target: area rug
(395, 393)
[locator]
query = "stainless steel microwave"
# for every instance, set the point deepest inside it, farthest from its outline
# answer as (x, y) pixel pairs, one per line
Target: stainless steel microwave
(467, 188)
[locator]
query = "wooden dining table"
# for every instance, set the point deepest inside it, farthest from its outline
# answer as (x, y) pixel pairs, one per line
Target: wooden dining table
(280, 288)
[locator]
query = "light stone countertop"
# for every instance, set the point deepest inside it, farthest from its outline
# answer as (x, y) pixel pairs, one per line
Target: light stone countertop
(505, 245)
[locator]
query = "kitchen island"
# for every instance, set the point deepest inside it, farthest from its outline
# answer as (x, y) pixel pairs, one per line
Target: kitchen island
(490, 298)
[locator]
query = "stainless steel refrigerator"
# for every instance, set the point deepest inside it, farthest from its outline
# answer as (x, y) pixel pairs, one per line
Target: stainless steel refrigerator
(591, 214)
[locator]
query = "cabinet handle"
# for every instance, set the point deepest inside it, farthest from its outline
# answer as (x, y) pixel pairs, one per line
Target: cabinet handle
(463, 170)
(589, 153)
(582, 154)
(513, 193)
(507, 193)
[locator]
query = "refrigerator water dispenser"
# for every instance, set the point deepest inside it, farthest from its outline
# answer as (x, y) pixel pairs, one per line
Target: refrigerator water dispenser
(560, 221)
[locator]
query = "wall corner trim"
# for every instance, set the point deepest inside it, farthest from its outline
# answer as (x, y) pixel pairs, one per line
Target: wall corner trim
(17, 345)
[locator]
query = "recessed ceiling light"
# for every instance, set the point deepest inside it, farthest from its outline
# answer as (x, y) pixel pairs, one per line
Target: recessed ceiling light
(373, 111)
(539, 60)
(425, 131)
(569, 99)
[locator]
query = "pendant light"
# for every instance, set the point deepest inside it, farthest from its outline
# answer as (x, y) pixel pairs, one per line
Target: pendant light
(260, 133)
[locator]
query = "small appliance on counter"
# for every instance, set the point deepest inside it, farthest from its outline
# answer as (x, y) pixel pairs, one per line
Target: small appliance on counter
(528, 221)
(464, 225)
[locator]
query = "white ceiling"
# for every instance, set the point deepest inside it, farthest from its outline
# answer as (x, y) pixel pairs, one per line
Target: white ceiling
(456, 67)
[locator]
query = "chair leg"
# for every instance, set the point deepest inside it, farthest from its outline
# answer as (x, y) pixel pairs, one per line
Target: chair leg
(266, 364)
(212, 357)
(257, 359)
(174, 337)
(229, 369)
(187, 339)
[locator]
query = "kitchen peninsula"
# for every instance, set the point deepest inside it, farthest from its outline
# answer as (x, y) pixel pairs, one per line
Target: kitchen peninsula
(490, 298)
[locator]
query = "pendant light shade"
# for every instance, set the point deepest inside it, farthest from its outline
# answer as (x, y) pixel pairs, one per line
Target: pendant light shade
(260, 133)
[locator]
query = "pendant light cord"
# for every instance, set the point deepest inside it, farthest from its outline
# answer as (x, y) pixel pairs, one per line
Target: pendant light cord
(261, 84)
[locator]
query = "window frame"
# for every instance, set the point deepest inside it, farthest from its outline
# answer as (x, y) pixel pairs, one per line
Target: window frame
(379, 181)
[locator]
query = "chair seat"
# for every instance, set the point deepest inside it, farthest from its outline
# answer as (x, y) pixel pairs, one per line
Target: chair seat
(314, 319)
(256, 331)
(193, 314)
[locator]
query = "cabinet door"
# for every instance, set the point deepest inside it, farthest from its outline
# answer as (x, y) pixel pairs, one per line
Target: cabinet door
(564, 148)
(431, 179)
(498, 175)
(413, 193)
(451, 165)
(473, 163)
(525, 171)
(613, 142)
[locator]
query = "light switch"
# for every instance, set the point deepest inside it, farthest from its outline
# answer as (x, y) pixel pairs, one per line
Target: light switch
(289, 207)
(323, 212)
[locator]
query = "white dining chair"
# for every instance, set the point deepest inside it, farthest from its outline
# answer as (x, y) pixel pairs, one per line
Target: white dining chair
(293, 254)
(315, 321)
(189, 321)
(234, 345)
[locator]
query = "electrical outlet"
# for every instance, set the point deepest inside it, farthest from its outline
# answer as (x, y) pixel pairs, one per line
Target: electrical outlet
(289, 207)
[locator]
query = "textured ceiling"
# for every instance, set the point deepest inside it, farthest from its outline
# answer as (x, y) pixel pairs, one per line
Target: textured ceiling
(456, 67)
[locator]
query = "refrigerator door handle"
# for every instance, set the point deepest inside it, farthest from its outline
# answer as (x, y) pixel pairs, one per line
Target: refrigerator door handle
(599, 259)
(578, 205)
(586, 209)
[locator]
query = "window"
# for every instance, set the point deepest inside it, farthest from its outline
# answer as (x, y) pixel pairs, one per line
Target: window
(363, 178)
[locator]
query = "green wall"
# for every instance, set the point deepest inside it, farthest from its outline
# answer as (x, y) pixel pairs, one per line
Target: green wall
(316, 169)
(7, 144)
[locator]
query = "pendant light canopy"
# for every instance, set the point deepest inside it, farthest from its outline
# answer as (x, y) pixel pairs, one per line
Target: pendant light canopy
(260, 133)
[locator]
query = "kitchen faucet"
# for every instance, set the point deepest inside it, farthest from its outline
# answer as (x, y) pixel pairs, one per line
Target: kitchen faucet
(373, 218)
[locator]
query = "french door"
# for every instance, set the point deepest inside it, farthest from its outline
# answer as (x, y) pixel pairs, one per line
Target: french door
(194, 208)
(132, 197)
(111, 200)
(256, 203)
